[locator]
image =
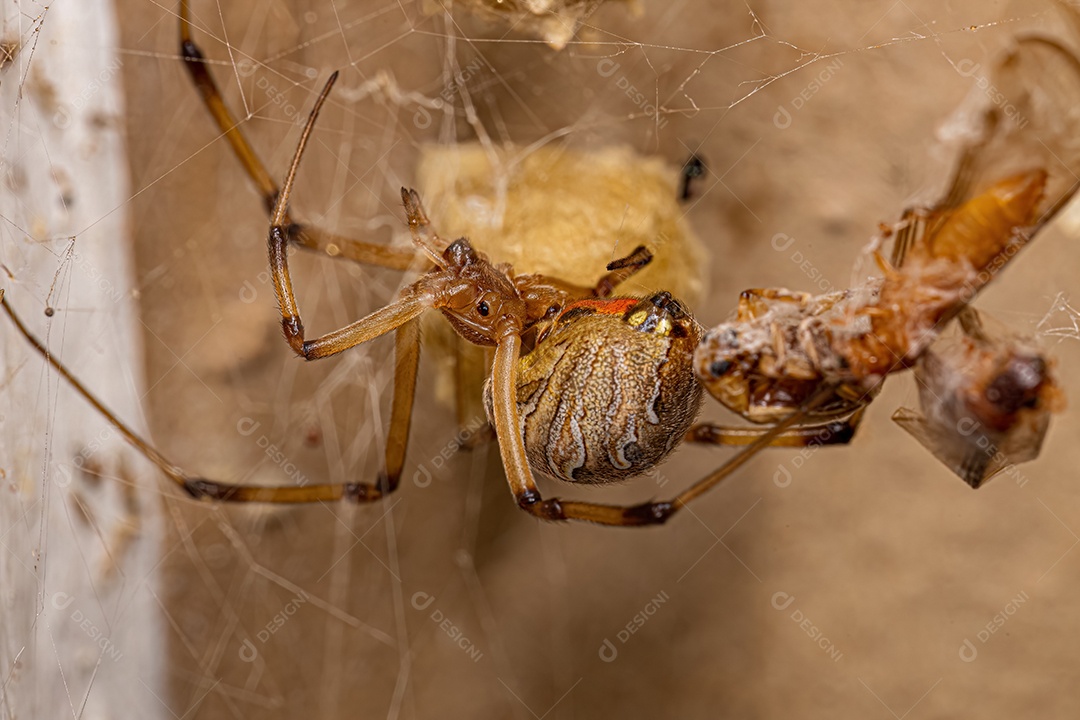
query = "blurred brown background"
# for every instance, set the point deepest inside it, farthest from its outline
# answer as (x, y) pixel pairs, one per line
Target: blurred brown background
(893, 561)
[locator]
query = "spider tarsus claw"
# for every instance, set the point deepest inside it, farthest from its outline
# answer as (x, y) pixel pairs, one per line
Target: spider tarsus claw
(655, 513)
(414, 209)
(693, 168)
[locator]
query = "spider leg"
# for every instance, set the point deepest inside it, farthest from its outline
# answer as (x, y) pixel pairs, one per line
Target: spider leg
(414, 299)
(826, 432)
(307, 237)
(423, 233)
(508, 422)
(755, 302)
(618, 271)
(172, 471)
(972, 325)
(621, 270)
(406, 360)
(408, 348)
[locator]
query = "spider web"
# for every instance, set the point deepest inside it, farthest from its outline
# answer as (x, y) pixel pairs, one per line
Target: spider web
(815, 120)
(1062, 320)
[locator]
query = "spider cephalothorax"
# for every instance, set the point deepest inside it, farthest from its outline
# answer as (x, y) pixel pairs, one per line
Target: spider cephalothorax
(478, 298)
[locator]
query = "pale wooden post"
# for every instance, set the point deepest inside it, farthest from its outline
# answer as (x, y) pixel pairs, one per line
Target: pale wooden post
(78, 635)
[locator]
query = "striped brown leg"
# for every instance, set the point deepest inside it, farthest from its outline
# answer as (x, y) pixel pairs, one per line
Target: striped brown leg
(193, 485)
(407, 351)
(305, 236)
(621, 270)
(415, 299)
(618, 271)
(406, 362)
(835, 431)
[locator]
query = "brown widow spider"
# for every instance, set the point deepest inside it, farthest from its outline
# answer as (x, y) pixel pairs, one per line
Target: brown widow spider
(1013, 177)
(645, 374)
(609, 386)
(602, 214)
(629, 356)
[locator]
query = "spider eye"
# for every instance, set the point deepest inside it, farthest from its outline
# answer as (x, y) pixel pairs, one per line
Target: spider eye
(483, 308)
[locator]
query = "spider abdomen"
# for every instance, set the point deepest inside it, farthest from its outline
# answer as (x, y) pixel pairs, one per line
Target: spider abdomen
(609, 391)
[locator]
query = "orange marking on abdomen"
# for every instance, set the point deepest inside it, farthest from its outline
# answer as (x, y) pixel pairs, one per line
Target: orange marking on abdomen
(607, 306)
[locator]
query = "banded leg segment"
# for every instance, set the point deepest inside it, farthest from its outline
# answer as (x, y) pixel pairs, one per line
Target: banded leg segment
(528, 497)
(619, 271)
(413, 302)
(406, 362)
(197, 487)
(836, 431)
(305, 236)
